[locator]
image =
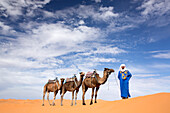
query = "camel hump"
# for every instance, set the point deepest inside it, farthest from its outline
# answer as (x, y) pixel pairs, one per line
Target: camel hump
(71, 79)
(89, 74)
(52, 81)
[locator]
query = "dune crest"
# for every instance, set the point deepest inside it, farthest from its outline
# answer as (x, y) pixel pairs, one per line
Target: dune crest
(156, 103)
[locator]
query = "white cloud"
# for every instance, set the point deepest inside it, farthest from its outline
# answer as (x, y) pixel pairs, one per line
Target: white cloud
(47, 14)
(103, 49)
(15, 8)
(139, 69)
(49, 40)
(147, 86)
(116, 27)
(164, 55)
(8, 62)
(40, 48)
(10, 77)
(97, 1)
(146, 75)
(155, 12)
(105, 60)
(105, 13)
(109, 50)
(81, 22)
(90, 63)
(155, 7)
(89, 11)
(161, 66)
(6, 29)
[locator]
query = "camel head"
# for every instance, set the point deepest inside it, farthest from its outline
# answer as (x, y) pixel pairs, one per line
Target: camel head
(62, 79)
(108, 71)
(82, 74)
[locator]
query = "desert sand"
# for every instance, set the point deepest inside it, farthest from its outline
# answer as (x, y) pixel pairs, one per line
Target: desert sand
(156, 103)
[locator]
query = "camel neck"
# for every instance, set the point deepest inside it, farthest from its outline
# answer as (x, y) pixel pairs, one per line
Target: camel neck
(103, 79)
(80, 81)
(60, 85)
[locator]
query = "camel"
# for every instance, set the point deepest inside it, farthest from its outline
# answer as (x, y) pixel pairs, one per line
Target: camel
(71, 87)
(52, 86)
(94, 83)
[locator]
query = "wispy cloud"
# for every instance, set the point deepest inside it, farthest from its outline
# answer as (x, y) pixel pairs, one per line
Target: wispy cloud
(150, 85)
(146, 75)
(88, 11)
(46, 42)
(155, 7)
(6, 29)
(97, 1)
(16, 8)
(155, 10)
(161, 66)
(163, 54)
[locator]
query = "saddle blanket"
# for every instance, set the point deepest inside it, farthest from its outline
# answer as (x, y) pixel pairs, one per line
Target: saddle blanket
(52, 81)
(89, 74)
(70, 79)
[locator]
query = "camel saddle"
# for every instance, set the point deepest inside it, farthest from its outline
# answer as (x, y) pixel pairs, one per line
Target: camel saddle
(70, 79)
(53, 81)
(89, 74)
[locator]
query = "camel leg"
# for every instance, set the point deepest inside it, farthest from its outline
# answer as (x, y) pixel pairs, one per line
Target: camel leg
(97, 88)
(72, 98)
(48, 97)
(43, 97)
(92, 96)
(84, 91)
(76, 97)
(55, 93)
(62, 95)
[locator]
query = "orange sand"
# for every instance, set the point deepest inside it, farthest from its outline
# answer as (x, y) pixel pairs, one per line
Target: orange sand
(156, 103)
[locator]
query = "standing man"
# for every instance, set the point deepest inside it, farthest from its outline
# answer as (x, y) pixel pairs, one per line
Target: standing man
(124, 76)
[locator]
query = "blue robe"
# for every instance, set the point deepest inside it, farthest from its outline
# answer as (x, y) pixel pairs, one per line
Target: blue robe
(124, 83)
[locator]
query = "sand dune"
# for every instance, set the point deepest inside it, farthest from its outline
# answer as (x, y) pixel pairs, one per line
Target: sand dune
(156, 103)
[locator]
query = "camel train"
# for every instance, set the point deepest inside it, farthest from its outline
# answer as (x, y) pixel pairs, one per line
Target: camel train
(92, 80)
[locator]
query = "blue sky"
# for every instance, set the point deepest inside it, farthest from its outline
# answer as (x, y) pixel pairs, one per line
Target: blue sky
(42, 39)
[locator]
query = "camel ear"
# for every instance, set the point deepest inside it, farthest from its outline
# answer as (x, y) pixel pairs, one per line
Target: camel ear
(106, 68)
